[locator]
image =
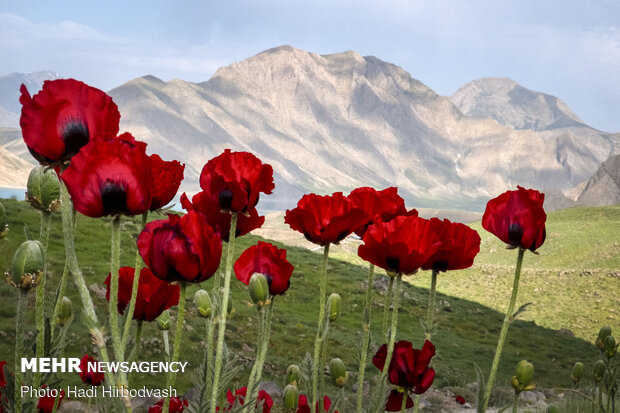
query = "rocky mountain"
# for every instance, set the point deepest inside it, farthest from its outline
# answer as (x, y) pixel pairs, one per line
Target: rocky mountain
(10, 108)
(13, 170)
(335, 122)
(604, 187)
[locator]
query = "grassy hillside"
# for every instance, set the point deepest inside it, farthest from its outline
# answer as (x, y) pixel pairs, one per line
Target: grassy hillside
(573, 283)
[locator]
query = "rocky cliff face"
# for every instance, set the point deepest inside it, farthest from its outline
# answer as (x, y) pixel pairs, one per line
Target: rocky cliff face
(604, 187)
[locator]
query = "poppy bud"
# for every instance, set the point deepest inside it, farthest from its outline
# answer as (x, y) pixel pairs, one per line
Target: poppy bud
(610, 346)
(577, 372)
(293, 374)
(333, 305)
(290, 396)
(203, 303)
(43, 190)
(602, 333)
(338, 372)
(599, 371)
(522, 381)
(65, 311)
(163, 321)
(552, 409)
(4, 222)
(28, 263)
(259, 289)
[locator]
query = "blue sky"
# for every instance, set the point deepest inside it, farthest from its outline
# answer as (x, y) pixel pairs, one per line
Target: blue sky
(568, 48)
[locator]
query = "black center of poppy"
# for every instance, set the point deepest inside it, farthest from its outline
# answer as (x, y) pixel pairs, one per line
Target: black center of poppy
(441, 266)
(392, 263)
(114, 199)
(74, 134)
(226, 197)
(515, 233)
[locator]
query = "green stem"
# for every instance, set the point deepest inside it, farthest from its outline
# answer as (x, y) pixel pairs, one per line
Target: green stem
(386, 309)
(210, 334)
(318, 342)
(365, 339)
(403, 405)
(416, 405)
(136, 348)
(119, 350)
(19, 346)
(263, 354)
(134, 289)
(515, 404)
(166, 344)
(393, 325)
(219, 353)
(262, 318)
(46, 219)
(504, 331)
(431, 306)
(177, 340)
(61, 293)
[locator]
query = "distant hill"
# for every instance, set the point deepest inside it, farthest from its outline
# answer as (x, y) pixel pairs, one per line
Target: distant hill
(10, 108)
(603, 188)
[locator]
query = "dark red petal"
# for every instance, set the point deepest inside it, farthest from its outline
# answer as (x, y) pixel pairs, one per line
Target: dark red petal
(379, 358)
(425, 382)
(166, 178)
(395, 401)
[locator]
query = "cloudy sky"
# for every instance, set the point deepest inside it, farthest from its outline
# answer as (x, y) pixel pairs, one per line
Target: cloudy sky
(567, 48)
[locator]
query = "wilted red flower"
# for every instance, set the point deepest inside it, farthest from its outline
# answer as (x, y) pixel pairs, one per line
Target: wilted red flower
(110, 177)
(304, 407)
(517, 218)
(236, 179)
(176, 405)
(63, 117)
(220, 221)
(268, 260)
(181, 248)
(459, 245)
(378, 205)
(154, 295)
(166, 177)
(263, 399)
(46, 403)
(408, 369)
(94, 378)
(460, 400)
(325, 219)
(401, 245)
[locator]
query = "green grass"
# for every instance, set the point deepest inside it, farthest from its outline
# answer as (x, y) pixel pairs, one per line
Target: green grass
(569, 282)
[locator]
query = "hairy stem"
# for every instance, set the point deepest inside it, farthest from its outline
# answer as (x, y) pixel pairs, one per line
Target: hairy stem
(393, 326)
(386, 309)
(262, 318)
(46, 219)
(19, 346)
(263, 354)
(504, 331)
(119, 350)
(431, 306)
(318, 342)
(365, 339)
(219, 352)
(403, 405)
(61, 293)
(177, 340)
(515, 403)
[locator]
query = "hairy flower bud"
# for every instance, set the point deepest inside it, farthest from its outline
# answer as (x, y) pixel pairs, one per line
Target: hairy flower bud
(602, 333)
(4, 222)
(598, 371)
(28, 264)
(163, 321)
(290, 396)
(610, 345)
(552, 409)
(577, 372)
(338, 372)
(333, 306)
(293, 374)
(522, 380)
(43, 190)
(259, 289)
(65, 311)
(203, 303)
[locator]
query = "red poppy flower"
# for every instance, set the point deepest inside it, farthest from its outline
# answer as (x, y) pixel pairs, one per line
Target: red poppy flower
(401, 245)
(220, 221)
(94, 378)
(236, 179)
(379, 205)
(110, 177)
(395, 401)
(304, 407)
(268, 260)
(263, 399)
(408, 368)
(176, 405)
(63, 117)
(46, 403)
(154, 295)
(166, 177)
(181, 248)
(459, 245)
(517, 218)
(460, 400)
(325, 219)
(2, 377)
